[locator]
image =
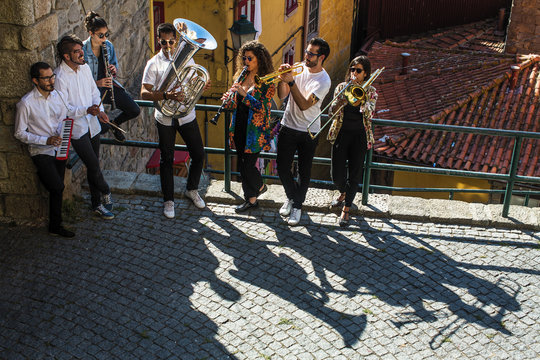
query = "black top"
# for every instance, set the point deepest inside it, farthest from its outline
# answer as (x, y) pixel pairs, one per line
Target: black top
(240, 124)
(353, 119)
(101, 66)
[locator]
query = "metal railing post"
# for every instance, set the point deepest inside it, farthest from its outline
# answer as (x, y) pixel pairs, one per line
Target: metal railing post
(227, 174)
(367, 176)
(513, 171)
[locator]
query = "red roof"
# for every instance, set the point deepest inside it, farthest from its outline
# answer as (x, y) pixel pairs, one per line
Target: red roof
(456, 87)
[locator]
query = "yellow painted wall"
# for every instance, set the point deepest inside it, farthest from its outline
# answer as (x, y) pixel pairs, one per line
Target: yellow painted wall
(335, 26)
(408, 179)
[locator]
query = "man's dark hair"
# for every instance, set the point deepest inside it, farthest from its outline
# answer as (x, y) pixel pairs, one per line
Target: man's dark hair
(37, 67)
(65, 45)
(324, 48)
(166, 28)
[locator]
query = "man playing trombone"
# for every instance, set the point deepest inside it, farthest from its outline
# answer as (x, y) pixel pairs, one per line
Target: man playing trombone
(306, 92)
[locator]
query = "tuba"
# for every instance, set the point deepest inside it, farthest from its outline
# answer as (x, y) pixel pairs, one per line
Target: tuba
(191, 79)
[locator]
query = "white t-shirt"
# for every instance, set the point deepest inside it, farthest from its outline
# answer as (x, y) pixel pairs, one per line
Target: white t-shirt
(155, 68)
(308, 83)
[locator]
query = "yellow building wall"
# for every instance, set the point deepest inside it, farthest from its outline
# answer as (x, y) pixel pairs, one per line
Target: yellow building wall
(418, 180)
(335, 26)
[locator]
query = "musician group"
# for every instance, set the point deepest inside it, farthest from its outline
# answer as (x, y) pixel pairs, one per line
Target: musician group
(85, 79)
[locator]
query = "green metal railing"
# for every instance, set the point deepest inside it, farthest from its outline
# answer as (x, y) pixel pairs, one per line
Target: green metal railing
(511, 178)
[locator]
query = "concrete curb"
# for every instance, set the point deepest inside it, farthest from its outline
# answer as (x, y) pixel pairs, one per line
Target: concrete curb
(318, 200)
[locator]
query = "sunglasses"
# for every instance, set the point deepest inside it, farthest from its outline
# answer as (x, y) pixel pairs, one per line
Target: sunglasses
(164, 42)
(356, 70)
(101, 36)
(47, 77)
(248, 58)
(310, 54)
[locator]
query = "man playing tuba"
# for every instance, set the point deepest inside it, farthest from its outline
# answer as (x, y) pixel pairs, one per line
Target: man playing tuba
(167, 126)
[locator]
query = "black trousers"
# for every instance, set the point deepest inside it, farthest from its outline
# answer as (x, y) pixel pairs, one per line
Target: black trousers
(350, 146)
(88, 150)
(51, 174)
(124, 102)
(251, 176)
(291, 141)
(192, 137)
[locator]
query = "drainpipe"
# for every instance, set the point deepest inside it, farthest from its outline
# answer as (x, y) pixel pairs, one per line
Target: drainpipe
(500, 23)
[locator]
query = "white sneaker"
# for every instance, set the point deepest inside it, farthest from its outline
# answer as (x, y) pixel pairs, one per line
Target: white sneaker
(168, 209)
(294, 219)
(194, 196)
(286, 208)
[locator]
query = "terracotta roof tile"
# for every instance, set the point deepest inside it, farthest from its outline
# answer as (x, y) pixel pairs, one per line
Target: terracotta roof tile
(457, 87)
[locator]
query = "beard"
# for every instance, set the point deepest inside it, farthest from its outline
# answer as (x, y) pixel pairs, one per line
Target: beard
(310, 64)
(47, 88)
(77, 60)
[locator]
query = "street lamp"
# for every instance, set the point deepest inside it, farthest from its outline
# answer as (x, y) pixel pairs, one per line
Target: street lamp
(241, 31)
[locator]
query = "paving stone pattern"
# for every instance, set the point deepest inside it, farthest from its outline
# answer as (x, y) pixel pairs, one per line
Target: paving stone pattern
(212, 284)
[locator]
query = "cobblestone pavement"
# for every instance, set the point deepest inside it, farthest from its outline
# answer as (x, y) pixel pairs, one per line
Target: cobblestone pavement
(212, 284)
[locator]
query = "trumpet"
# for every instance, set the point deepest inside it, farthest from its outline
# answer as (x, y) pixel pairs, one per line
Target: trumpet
(274, 76)
(355, 95)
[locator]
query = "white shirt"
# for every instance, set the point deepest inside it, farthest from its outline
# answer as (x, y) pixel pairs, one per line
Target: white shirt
(80, 91)
(155, 68)
(37, 119)
(308, 83)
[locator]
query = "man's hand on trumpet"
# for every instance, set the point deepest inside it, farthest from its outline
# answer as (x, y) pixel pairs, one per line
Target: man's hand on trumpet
(287, 76)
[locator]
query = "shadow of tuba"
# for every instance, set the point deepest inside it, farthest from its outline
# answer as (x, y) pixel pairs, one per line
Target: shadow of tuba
(189, 78)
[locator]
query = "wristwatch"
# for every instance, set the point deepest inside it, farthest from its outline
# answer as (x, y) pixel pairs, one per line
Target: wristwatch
(165, 95)
(290, 83)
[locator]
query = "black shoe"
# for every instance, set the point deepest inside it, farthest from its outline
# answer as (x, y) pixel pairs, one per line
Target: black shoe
(246, 206)
(344, 219)
(118, 135)
(61, 231)
(338, 202)
(263, 190)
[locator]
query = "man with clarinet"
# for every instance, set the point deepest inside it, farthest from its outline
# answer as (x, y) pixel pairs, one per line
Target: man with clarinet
(37, 123)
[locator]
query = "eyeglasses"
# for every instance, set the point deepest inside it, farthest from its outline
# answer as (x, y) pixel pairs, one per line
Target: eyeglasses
(164, 42)
(310, 54)
(47, 78)
(101, 36)
(356, 70)
(248, 58)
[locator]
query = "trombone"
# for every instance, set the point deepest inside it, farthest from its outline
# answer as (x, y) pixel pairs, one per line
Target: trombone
(274, 77)
(355, 95)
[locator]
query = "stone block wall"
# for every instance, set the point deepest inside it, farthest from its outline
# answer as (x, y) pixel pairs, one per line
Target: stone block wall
(30, 30)
(524, 28)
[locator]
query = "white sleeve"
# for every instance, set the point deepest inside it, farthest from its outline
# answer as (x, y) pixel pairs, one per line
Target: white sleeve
(21, 127)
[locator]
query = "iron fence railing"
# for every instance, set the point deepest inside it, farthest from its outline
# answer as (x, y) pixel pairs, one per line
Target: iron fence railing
(511, 178)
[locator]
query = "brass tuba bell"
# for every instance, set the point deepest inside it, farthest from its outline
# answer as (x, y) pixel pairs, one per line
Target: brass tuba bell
(189, 78)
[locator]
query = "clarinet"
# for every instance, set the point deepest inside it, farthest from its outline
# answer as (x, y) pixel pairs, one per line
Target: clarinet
(105, 54)
(226, 101)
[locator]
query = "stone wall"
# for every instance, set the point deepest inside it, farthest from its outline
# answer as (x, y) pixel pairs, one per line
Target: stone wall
(30, 30)
(524, 28)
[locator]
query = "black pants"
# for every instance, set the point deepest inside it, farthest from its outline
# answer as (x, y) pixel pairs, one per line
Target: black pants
(289, 142)
(124, 102)
(51, 174)
(349, 146)
(192, 137)
(251, 176)
(88, 150)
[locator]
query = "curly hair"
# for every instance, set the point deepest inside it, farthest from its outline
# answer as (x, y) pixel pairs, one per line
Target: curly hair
(264, 60)
(366, 65)
(94, 22)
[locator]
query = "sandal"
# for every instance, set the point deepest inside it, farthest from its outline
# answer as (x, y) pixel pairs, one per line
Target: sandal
(344, 219)
(338, 202)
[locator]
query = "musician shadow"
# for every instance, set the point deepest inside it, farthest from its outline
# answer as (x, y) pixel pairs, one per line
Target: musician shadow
(403, 275)
(281, 275)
